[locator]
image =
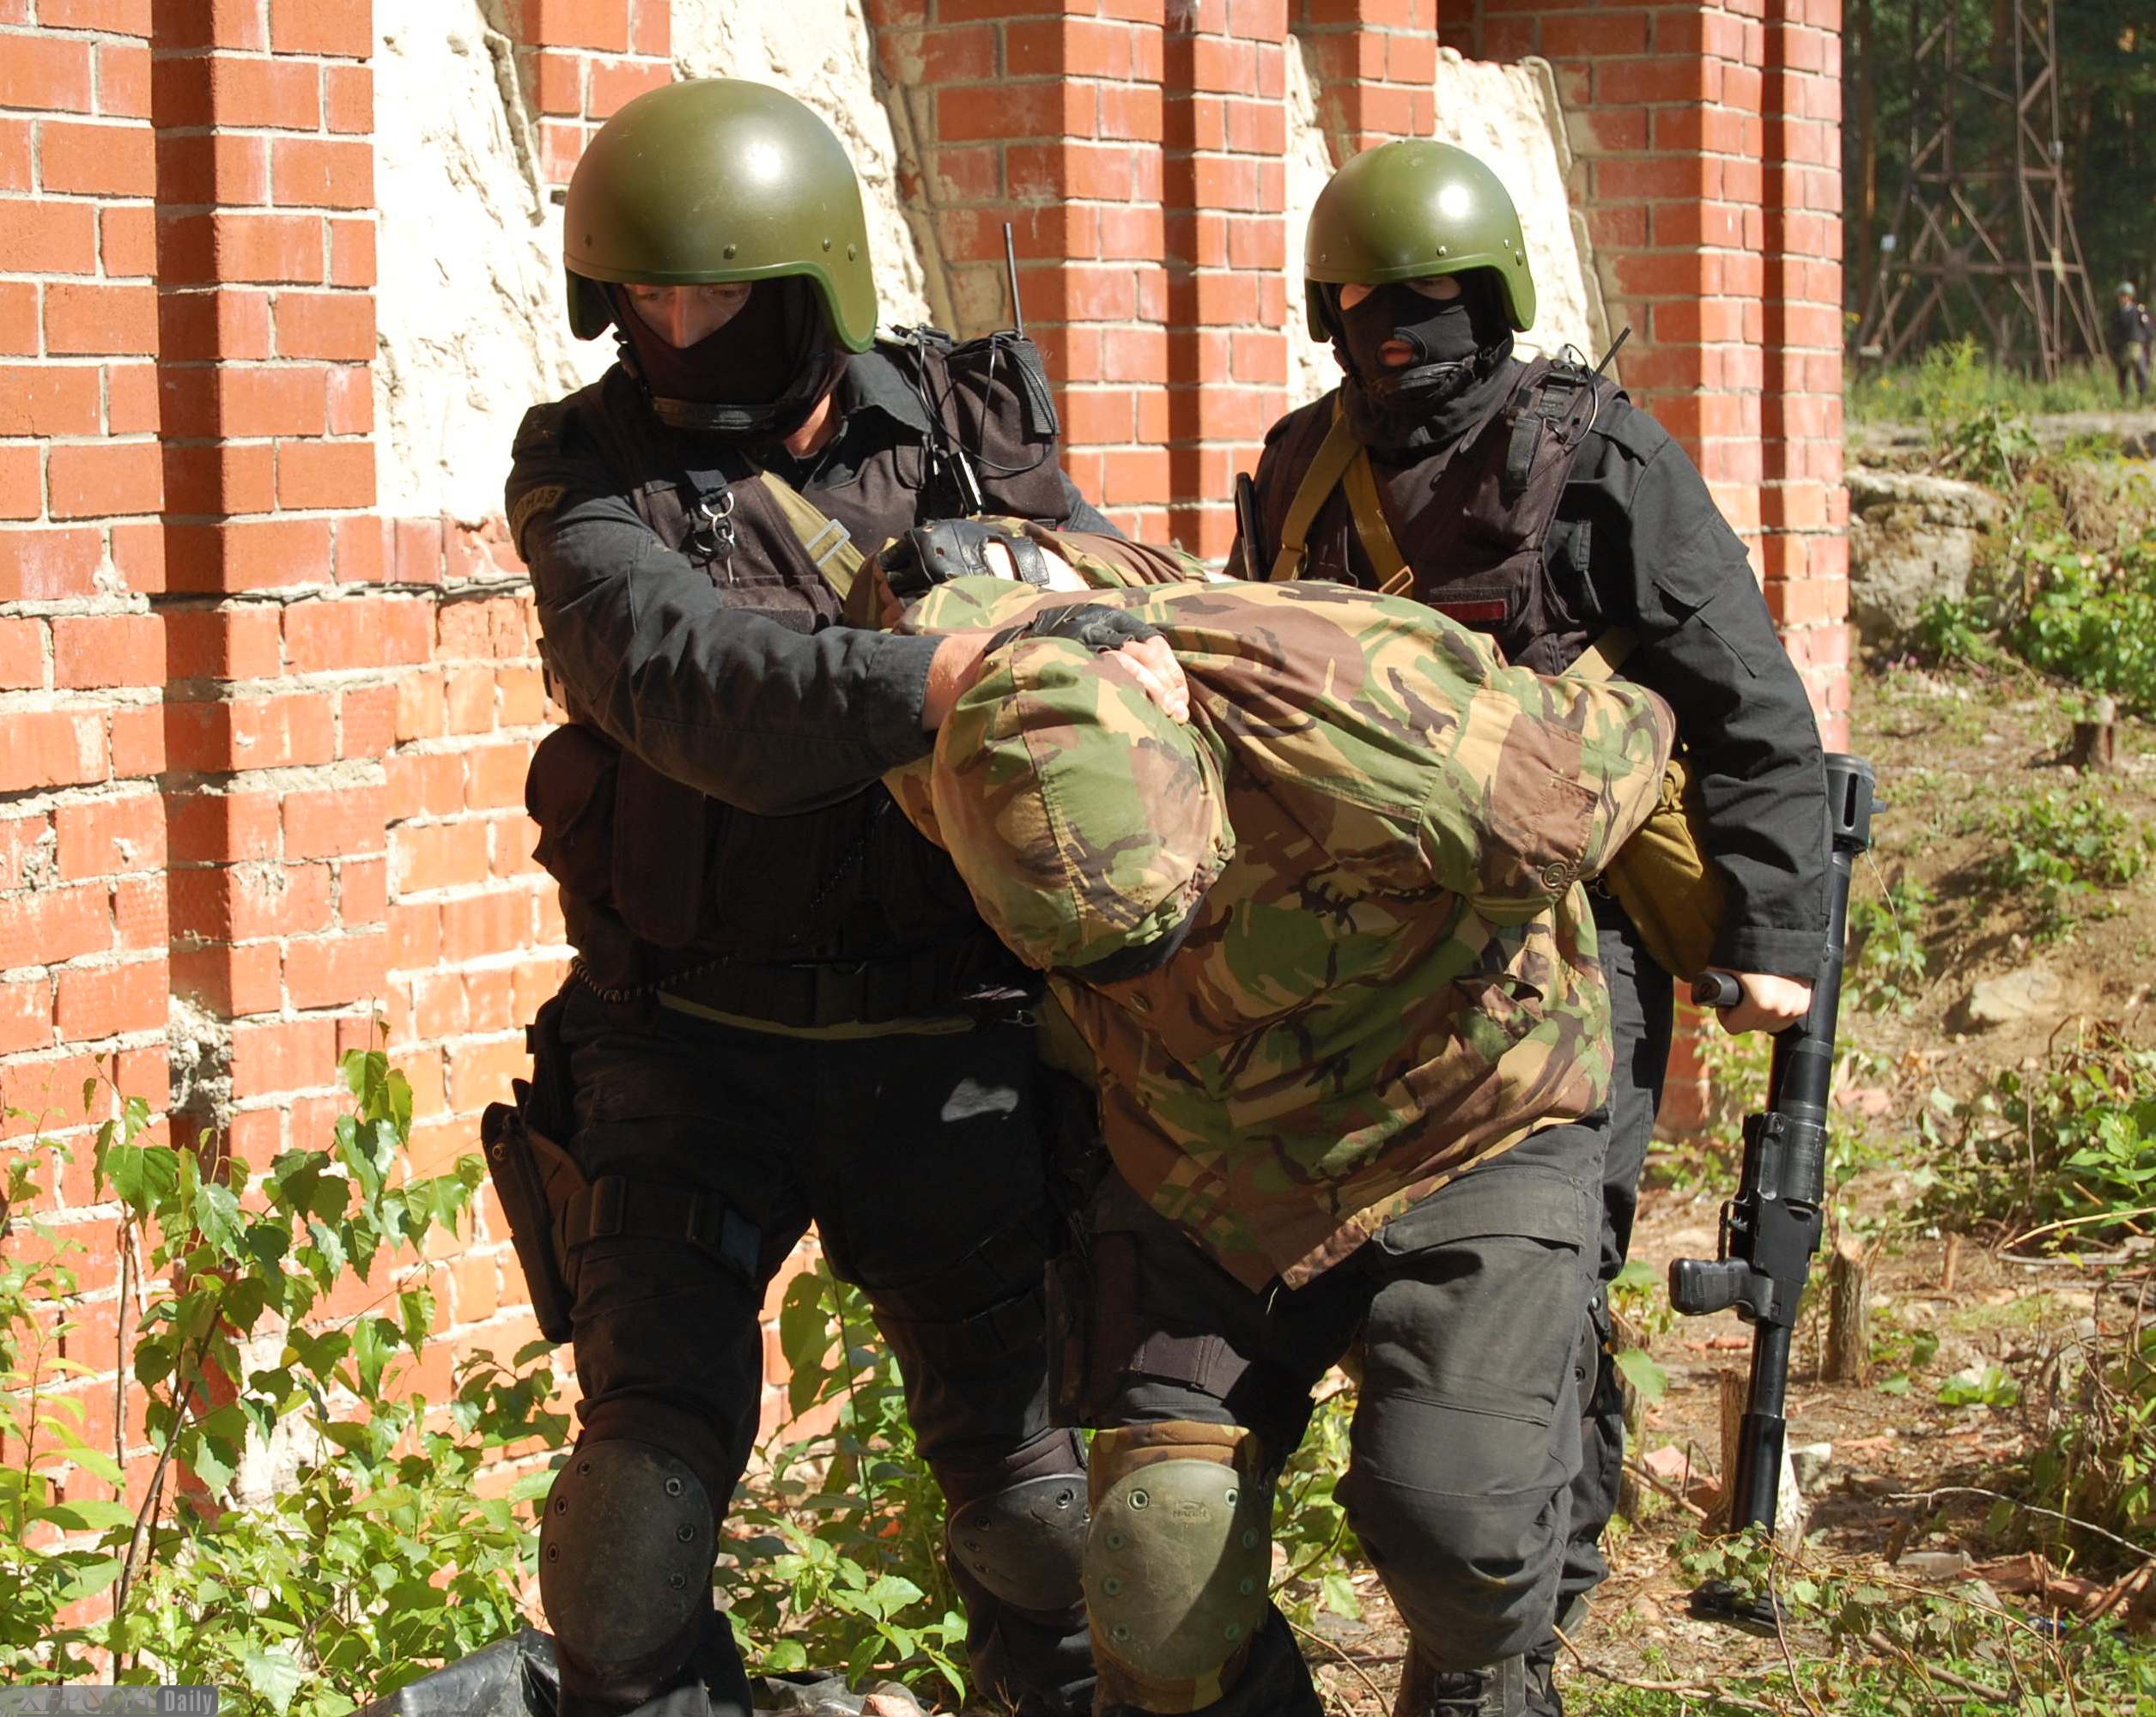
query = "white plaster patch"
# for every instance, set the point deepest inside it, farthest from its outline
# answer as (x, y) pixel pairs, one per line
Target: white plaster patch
(471, 330)
(819, 52)
(1311, 367)
(1508, 116)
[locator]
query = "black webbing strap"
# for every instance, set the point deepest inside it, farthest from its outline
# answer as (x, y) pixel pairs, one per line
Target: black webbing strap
(1555, 408)
(613, 1207)
(1205, 1363)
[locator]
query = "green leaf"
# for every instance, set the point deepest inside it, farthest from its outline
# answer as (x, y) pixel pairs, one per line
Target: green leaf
(1338, 1597)
(91, 1514)
(373, 1341)
(1896, 1385)
(889, 1594)
(273, 1673)
(1638, 1275)
(142, 1176)
(417, 1306)
(216, 1213)
(1637, 1367)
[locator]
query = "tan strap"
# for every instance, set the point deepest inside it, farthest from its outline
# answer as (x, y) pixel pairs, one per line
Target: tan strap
(1390, 566)
(1605, 656)
(1334, 454)
(829, 549)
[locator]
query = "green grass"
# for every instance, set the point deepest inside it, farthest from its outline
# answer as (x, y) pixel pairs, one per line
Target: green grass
(1946, 383)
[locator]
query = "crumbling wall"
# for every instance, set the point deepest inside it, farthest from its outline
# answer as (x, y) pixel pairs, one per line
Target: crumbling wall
(819, 50)
(1508, 116)
(470, 328)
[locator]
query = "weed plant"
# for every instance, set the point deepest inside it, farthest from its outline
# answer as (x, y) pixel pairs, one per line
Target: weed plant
(835, 1545)
(2061, 1156)
(2059, 851)
(377, 1553)
(2068, 586)
(1954, 382)
(1856, 1640)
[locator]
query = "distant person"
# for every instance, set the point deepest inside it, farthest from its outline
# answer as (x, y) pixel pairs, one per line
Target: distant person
(2131, 333)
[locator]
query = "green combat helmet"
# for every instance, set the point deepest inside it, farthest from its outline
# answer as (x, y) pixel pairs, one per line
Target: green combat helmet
(1408, 211)
(718, 179)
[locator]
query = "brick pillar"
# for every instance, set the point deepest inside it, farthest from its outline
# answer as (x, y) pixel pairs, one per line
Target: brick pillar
(83, 967)
(1664, 109)
(1804, 509)
(1225, 183)
(278, 706)
(580, 60)
(1374, 61)
(1049, 116)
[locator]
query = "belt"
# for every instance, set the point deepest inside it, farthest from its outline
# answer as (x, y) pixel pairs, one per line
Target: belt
(959, 977)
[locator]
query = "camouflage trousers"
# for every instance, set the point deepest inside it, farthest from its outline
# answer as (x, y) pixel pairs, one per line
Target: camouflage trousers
(917, 1157)
(1466, 1438)
(1641, 1009)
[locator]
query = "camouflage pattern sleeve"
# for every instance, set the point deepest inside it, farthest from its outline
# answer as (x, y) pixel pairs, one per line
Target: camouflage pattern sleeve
(1545, 780)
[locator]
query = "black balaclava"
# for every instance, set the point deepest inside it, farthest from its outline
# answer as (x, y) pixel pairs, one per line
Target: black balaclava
(755, 379)
(1446, 391)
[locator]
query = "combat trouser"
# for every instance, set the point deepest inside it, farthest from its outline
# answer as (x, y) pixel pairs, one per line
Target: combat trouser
(2132, 364)
(1640, 1011)
(916, 1156)
(1465, 1442)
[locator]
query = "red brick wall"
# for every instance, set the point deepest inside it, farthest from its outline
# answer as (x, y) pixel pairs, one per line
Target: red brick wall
(1706, 163)
(263, 745)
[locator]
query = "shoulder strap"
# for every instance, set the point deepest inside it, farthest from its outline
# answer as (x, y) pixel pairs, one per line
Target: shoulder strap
(827, 544)
(1605, 656)
(1390, 566)
(1334, 454)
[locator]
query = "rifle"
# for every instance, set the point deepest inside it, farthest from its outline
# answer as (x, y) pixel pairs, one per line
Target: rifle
(1770, 1230)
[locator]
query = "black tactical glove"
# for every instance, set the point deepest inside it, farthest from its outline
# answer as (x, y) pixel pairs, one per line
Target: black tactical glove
(1098, 626)
(930, 555)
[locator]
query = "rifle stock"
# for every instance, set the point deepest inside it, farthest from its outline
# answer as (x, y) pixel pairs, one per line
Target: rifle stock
(1770, 1229)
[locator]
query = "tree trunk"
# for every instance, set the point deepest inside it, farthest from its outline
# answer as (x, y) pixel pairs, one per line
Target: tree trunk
(2095, 744)
(1849, 1317)
(1734, 1386)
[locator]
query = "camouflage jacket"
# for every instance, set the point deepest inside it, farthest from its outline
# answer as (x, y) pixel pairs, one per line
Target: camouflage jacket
(1365, 852)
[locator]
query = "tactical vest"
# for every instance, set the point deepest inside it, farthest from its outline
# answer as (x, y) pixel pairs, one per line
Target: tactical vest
(1464, 530)
(699, 884)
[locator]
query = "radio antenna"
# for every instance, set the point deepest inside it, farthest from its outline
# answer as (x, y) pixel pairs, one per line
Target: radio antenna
(1011, 269)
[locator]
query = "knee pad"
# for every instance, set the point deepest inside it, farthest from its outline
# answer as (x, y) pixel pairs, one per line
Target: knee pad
(1025, 1543)
(1178, 1556)
(626, 1550)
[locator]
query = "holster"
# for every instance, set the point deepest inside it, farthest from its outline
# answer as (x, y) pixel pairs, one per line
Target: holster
(524, 1155)
(513, 1164)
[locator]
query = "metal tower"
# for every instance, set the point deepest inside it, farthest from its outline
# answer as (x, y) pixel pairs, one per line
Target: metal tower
(1983, 238)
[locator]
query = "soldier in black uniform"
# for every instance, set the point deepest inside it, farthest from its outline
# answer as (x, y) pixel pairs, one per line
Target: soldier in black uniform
(783, 1008)
(1539, 506)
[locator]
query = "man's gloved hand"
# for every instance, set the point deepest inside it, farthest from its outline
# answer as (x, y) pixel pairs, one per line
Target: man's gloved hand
(1095, 625)
(1137, 648)
(933, 553)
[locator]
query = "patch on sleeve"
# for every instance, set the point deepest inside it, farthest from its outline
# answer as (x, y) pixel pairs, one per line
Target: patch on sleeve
(541, 431)
(527, 507)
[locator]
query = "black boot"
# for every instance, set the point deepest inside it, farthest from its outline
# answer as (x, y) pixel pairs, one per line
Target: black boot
(1498, 1689)
(512, 1677)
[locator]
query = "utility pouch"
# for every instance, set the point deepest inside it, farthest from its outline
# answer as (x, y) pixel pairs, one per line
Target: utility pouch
(513, 1165)
(1663, 880)
(1662, 876)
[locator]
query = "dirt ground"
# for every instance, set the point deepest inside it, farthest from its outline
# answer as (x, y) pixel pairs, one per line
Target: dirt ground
(1950, 750)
